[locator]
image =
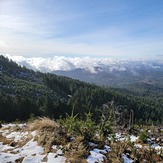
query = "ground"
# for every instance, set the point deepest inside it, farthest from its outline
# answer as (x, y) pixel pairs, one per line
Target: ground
(28, 143)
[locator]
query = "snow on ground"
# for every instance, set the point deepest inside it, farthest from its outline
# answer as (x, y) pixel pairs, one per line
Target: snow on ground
(157, 147)
(133, 138)
(31, 152)
(97, 155)
(17, 136)
(5, 147)
(121, 137)
(126, 159)
(53, 158)
(13, 125)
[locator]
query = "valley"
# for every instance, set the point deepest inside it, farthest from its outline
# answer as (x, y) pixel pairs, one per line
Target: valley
(92, 123)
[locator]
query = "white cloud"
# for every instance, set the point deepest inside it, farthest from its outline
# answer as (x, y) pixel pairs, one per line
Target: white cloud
(90, 64)
(69, 63)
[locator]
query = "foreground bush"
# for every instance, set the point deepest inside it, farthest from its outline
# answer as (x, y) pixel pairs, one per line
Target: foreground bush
(143, 137)
(78, 127)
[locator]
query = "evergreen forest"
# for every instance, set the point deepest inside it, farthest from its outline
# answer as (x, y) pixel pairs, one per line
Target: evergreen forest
(25, 94)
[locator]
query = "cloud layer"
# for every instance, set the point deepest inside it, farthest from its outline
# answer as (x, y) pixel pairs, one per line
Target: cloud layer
(90, 64)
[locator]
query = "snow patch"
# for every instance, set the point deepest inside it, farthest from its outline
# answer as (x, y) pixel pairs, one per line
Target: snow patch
(5, 147)
(17, 136)
(97, 155)
(126, 159)
(54, 158)
(133, 138)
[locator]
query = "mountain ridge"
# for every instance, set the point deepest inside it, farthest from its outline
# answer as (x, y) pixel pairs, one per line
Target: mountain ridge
(101, 71)
(44, 94)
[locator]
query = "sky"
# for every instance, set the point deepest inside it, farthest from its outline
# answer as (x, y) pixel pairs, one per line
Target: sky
(80, 28)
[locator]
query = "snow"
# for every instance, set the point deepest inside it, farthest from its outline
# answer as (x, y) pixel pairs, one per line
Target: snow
(5, 132)
(5, 147)
(97, 155)
(126, 159)
(138, 145)
(157, 147)
(133, 138)
(33, 133)
(8, 157)
(59, 152)
(92, 144)
(53, 158)
(107, 148)
(17, 136)
(33, 159)
(54, 147)
(30, 148)
(13, 125)
(31, 152)
(122, 137)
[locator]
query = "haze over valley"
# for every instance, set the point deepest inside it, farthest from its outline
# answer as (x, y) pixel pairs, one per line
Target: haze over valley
(101, 71)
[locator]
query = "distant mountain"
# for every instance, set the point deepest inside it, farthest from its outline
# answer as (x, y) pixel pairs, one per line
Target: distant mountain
(133, 73)
(101, 71)
(25, 93)
(150, 72)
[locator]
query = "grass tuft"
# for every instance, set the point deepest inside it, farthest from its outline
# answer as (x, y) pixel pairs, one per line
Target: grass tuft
(49, 133)
(44, 123)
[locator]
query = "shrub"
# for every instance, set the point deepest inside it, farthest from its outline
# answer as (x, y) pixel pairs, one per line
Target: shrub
(104, 127)
(143, 137)
(79, 127)
(88, 127)
(70, 123)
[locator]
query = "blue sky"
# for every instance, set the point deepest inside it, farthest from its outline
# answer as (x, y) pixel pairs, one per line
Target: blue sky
(79, 28)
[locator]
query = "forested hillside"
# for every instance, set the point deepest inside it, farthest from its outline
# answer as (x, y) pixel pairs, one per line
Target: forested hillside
(25, 94)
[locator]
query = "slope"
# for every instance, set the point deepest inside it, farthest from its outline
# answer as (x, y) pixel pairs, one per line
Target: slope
(25, 94)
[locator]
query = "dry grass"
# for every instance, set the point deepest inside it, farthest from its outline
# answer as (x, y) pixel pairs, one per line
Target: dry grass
(44, 123)
(51, 133)
(138, 155)
(48, 133)
(115, 154)
(76, 151)
(148, 154)
(4, 140)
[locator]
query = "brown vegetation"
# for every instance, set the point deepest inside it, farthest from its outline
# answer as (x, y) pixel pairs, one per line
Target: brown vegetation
(48, 133)
(136, 154)
(75, 147)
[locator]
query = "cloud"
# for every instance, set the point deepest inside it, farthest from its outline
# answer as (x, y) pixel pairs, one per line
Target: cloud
(90, 64)
(69, 63)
